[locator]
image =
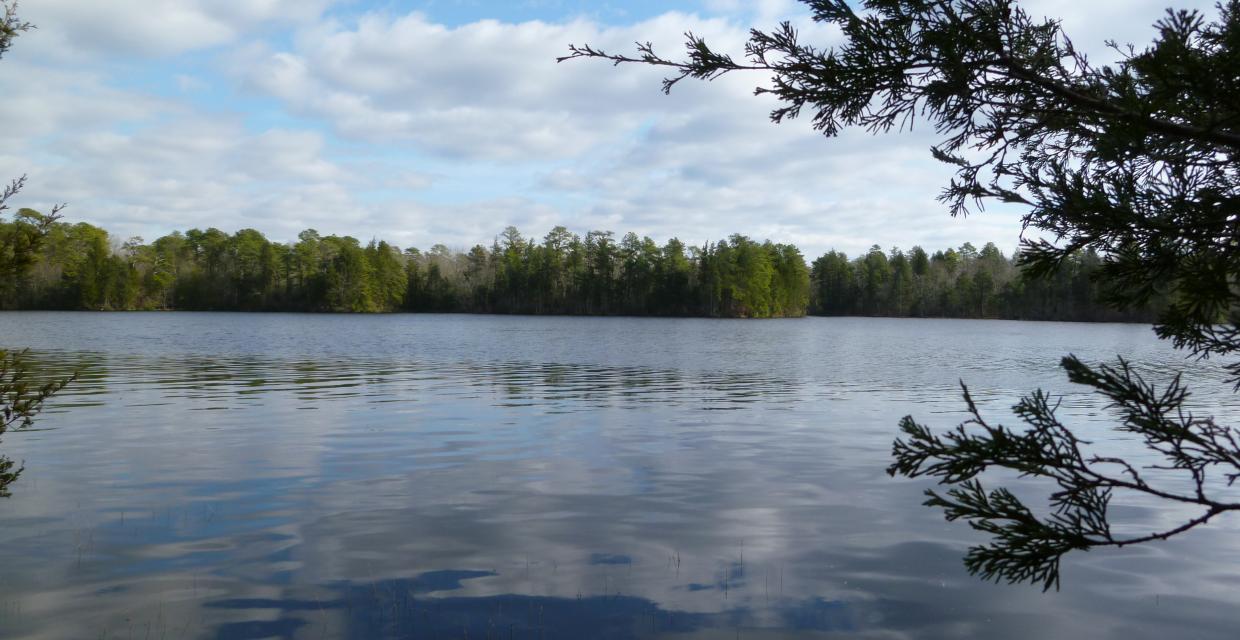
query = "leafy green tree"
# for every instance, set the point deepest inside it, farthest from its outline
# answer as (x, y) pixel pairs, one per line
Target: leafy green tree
(790, 288)
(1135, 160)
(306, 265)
(900, 294)
(875, 277)
(388, 275)
(834, 289)
(919, 260)
(988, 286)
(20, 241)
(598, 281)
(19, 403)
(750, 271)
(349, 277)
(512, 268)
(440, 294)
(20, 238)
(415, 281)
(557, 265)
(674, 277)
(79, 266)
(636, 272)
(252, 269)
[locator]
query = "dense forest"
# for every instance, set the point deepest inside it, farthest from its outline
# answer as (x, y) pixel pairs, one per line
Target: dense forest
(79, 266)
(962, 283)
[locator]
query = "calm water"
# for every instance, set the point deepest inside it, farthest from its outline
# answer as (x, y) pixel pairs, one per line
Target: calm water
(288, 476)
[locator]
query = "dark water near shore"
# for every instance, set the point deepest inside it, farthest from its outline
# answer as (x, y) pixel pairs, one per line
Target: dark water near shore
(286, 476)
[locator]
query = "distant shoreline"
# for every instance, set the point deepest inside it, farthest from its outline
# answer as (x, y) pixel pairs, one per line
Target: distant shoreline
(571, 315)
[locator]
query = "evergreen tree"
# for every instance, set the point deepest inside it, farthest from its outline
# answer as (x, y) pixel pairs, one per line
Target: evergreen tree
(20, 241)
(1135, 161)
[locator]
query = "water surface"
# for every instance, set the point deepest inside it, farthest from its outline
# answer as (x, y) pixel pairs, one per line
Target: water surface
(310, 476)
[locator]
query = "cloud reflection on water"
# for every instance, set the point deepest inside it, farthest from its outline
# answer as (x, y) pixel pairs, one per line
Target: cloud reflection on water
(240, 491)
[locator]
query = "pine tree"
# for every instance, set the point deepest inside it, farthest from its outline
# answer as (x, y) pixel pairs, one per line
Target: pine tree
(1136, 161)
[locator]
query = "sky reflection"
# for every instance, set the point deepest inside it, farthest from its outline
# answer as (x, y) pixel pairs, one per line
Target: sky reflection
(249, 490)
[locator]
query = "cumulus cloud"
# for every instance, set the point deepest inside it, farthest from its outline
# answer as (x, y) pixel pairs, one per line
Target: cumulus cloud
(65, 100)
(699, 164)
(174, 167)
(138, 164)
(702, 162)
(482, 90)
(396, 125)
(154, 27)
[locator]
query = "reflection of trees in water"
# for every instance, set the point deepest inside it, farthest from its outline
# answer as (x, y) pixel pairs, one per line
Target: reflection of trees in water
(90, 373)
(267, 512)
(565, 387)
(21, 399)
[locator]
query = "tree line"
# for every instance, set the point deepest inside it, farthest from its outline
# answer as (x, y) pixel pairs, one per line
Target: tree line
(966, 283)
(1135, 160)
(79, 266)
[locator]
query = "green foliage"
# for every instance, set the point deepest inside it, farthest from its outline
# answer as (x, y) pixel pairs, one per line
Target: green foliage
(21, 241)
(1131, 168)
(19, 403)
(20, 238)
(10, 25)
(77, 267)
(966, 285)
(1028, 547)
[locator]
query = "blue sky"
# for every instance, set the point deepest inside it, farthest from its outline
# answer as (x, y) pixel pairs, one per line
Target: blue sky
(443, 121)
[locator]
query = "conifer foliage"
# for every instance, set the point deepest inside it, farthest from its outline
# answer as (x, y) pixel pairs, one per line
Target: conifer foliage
(1138, 161)
(563, 273)
(20, 242)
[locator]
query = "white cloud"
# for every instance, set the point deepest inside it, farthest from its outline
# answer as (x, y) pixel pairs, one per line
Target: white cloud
(482, 90)
(42, 101)
(68, 28)
(169, 166)
(426, 112)
(699, 164)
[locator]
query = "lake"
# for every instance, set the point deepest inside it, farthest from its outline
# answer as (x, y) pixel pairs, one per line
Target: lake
(435, 476)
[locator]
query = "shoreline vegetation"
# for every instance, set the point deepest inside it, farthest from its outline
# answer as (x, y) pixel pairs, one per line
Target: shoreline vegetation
(82, 267)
